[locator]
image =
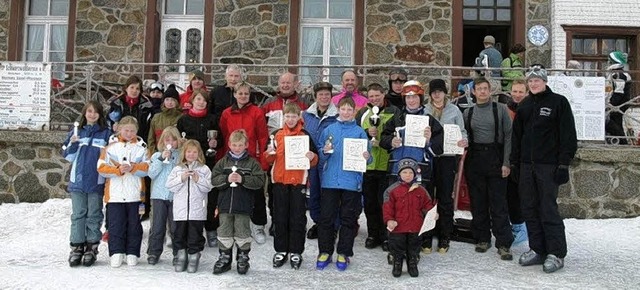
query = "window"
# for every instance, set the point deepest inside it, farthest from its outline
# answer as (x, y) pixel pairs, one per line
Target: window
(487, 10)
(181, 39)
(46, 24)
(326, 38)
(592, 51)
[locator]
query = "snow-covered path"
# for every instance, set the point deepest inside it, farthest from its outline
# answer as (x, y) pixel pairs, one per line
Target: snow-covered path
(603, 254)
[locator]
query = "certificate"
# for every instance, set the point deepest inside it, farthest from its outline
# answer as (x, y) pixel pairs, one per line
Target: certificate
(295, 152)
(352, 154)
(414, 131)
(429, 222)
(452, 135)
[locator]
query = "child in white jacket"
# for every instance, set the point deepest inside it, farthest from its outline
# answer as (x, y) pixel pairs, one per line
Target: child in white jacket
(190, 182)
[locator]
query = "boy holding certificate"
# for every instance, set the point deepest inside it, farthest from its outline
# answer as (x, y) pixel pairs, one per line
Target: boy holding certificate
(289, 153)
(346, 153)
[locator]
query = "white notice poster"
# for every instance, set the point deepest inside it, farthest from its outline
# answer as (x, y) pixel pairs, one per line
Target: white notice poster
(295, 152)
(352, 154)
(25, 95)
(414, 130)
(587, 98)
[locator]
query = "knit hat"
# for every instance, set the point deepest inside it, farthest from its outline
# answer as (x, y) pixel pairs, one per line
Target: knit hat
(156, 87)
(489, 39)
(196, 74)
(412, 88)
(322, 86)
(437, 85)
(407, 163)
(171, 92)
(537, 71)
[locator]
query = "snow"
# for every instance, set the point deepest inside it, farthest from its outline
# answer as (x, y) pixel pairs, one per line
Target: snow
(34, 239)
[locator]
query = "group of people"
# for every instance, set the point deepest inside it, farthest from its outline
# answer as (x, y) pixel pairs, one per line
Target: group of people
(211, 155)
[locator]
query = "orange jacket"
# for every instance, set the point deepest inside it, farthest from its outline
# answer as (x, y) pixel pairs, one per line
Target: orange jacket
(278, 172)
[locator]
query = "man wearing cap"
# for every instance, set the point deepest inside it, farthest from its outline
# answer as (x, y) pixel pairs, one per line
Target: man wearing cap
(221, 97)
(544, 143)
(169, 116)
(397, 78)
(196, 82)
(494, 56)
(350, 89)
(515, 60)
(316, 118)
(486, 168)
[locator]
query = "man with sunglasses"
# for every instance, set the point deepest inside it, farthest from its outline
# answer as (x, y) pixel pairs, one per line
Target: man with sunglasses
(397, 78)
(543, 144)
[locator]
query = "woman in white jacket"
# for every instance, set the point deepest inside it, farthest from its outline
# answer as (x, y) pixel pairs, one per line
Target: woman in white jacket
(190, 182)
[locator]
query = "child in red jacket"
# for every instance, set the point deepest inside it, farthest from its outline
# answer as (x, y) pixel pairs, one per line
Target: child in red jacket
(405, 204)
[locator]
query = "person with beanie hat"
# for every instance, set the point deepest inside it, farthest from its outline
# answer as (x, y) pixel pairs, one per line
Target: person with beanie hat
(169, 115)
(317, 117)
(405, 203)
(445, 166)
(397, 78)
(543, 144)
(196, 82)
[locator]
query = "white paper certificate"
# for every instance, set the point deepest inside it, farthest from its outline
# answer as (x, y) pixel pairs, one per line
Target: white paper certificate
(414, 131)
(429, 220)
(352, 150)
(295, 151)
(452, 135)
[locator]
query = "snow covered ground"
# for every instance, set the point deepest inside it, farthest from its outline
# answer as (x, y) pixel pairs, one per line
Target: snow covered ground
(603, 254)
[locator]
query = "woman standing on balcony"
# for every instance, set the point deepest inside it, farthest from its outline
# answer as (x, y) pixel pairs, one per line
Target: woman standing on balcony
(196, 83)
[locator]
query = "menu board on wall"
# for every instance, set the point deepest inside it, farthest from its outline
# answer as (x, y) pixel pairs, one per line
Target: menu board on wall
(587, 98)
(25, 95)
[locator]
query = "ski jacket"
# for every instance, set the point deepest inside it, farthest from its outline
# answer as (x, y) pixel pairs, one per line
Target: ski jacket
(84, 156)
(380, 155)
(160, 121)
(190, 197)
(159, 172)
(395, 99)
(127, 187)
(238, 200)
(252, 120)
(314, 124)
(544, 130)
(273, 110)
(406, 204)
(333, 176)
(424, 156)
(142, 111)
(278, 172)
(358, 98)
(513, 61)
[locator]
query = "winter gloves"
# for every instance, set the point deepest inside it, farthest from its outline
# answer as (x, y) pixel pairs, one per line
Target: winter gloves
(561, 175)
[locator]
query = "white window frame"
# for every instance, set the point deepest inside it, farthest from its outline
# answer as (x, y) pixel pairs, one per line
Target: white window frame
(47, 21)
(182, 22)
(327, 24)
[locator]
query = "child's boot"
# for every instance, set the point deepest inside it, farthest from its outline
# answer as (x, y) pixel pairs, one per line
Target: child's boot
(224, 262)
(242, 259)
(296, 261)
(194, 260)
(212, 239)
(397, 267)
(181, 265)
(75, 257)
(90, 254)
(412, 266)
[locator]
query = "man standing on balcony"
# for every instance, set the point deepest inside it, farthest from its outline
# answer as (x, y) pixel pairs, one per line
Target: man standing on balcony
(350, 89)
(494, 56)
(544, 143)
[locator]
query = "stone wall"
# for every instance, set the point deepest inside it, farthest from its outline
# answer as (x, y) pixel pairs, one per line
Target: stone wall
(539, 12)
(415, 32)
(5, 5)
(252, 32)
(605, 181)
(111, 31)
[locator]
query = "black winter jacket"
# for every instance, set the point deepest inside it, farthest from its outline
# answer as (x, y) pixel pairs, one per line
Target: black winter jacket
(237, 200)
(544, 130)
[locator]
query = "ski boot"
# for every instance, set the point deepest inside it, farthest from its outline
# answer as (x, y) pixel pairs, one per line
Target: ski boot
(323, 261)
(296, 261)
(242, 261)
(90, 254)
(279, 259)
(75, 257)
(212, 239)
(181, 265)
(194, 261)
(412, 266)
(397, 267)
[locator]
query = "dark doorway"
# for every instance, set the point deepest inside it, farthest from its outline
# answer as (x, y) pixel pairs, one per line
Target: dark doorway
(473, 35)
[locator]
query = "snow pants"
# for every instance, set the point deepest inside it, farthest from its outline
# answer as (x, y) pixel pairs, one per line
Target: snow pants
(125, 230)
(289, 218)
(161, 217)
(188, 235)
(349, 205)
(374, 184)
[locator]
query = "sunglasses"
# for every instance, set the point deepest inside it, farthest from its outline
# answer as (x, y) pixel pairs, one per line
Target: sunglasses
(156, 86)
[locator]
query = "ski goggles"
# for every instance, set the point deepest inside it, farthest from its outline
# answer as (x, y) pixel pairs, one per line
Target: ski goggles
(156, 86)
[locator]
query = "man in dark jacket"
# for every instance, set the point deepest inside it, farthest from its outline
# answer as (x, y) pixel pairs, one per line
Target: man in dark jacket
(221, 97)
(544, 142)
(397, 78)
